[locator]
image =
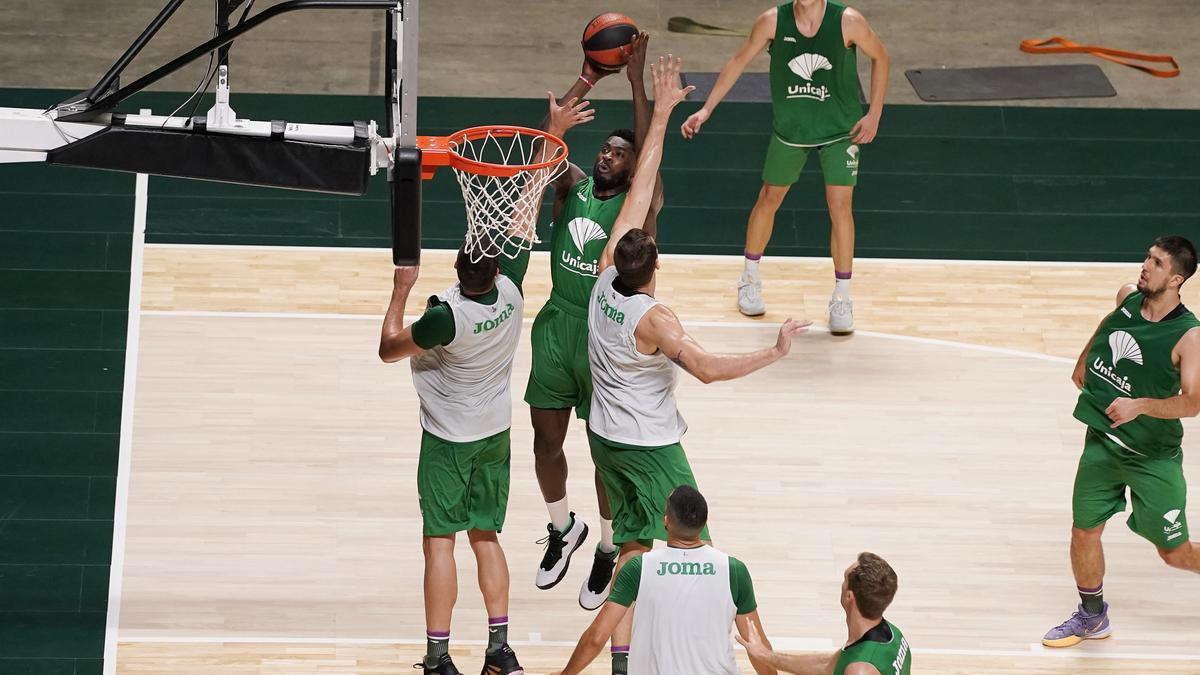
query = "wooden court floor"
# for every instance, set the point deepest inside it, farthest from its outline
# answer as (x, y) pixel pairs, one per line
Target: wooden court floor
(272, 521)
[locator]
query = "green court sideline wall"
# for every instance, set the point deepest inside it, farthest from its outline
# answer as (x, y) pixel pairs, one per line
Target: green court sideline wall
(941, 182)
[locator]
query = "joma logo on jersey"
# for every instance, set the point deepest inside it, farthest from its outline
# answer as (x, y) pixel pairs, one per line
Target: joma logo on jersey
(898, 664)
(686, 569)
(611, 312)
(491, 324)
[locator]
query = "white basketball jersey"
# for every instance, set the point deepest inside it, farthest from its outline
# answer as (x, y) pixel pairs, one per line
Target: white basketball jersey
(463, 386)
(633, 394)
(684, 614)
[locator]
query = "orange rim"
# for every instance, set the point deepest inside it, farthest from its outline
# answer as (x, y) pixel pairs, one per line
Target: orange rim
(443, 151)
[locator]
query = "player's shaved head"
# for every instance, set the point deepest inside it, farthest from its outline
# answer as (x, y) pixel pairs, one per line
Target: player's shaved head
(475, 278)
(687, 511)
(636, 258)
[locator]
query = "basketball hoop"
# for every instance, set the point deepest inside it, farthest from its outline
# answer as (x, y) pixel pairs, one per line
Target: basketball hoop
(502, 171)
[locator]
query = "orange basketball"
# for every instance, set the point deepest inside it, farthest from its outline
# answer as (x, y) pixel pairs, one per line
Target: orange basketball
(606, 40)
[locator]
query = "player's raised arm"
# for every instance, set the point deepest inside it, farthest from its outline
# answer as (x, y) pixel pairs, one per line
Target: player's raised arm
(635, 69)
(661, 329)
(667, 94)
(396, 340)
(760, 36)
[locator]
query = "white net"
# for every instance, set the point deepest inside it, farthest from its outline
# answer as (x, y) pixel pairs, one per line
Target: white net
(502, 211)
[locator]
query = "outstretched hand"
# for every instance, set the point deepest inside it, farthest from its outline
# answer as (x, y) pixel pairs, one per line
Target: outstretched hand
(787, 331)
(668, 90)
(571, 113)
(756, 646)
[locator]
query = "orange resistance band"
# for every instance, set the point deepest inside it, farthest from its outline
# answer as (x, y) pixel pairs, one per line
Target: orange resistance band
(1061, 45)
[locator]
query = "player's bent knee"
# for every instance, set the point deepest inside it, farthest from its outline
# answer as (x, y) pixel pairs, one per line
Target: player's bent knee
(1176, 557)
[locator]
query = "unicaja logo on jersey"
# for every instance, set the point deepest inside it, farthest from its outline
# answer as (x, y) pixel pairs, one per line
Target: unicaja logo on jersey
(1173, 529)
(583, 232)
(1124, 347)
(804, 66)
(852, 163)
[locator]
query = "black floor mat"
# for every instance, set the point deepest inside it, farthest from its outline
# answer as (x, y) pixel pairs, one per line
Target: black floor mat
(1010, 82)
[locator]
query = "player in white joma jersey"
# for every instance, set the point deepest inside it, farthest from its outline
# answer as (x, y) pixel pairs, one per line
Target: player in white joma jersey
(688, 595)
(461, 351)
(634, 344)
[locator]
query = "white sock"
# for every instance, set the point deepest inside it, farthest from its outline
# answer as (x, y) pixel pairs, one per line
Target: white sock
(751, 269)
(606, 536)
(560, 514)
(841, 287)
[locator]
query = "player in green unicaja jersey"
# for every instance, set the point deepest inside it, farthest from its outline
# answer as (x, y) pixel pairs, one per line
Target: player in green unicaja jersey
(1137, 375)
(815, 104)
(874, 645)
(585, 208)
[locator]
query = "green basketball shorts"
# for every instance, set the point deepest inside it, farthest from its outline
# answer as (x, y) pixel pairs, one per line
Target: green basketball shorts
(638, 481)
(560, 376)
(463, 486)
(1156, 487)
(839, 162)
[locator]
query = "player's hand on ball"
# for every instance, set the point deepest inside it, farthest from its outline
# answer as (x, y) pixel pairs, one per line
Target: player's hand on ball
(668, 91)
(593, 74)
(691, 126)
(1123, 410)
(865, 129)
(406, 277)
(790, 328)
(572, 112)
(635, 67)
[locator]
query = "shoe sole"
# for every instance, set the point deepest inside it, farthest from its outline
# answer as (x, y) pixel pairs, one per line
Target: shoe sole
(1072, 640)
(841, 332)
(566, 565)
(758, 313)
(602, 601)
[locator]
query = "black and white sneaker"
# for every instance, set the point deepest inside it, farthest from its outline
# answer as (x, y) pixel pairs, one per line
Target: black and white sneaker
(501, 662)
(594, 591)
(444, 667)
(559, 547)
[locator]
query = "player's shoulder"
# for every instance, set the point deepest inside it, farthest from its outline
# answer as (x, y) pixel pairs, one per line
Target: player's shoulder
(852, 17)
(1124, 292)
(861, 668)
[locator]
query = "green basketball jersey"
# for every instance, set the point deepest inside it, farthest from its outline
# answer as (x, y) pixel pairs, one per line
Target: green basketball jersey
(577, 241)
(883, 646)
(814, 80)
(1131, 357)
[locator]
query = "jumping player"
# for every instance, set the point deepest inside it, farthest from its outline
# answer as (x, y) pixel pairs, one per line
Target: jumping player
(634, 346)
(585, 208)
